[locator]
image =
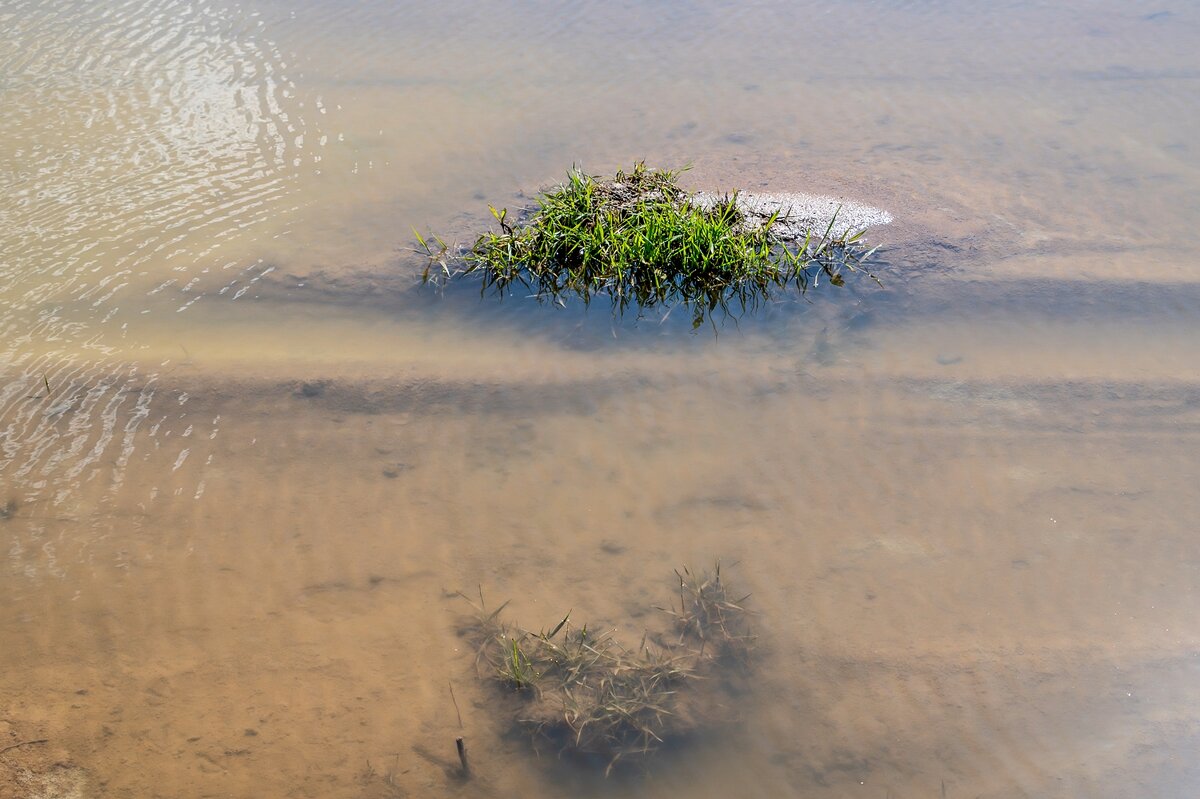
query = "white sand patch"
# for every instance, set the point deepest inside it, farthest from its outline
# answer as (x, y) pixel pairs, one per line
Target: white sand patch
(801, 213)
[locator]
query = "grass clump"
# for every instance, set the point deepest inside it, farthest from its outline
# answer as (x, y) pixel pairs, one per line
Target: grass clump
(708, 613)
(640, 238)
(585, 694)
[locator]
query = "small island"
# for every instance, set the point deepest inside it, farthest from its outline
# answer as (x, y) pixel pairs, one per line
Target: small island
(641, 239)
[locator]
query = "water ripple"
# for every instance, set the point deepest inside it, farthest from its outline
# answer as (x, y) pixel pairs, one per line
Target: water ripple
(140, 140)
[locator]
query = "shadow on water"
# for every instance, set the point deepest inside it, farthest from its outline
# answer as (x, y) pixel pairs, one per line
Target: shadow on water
(603, 323)
(904, 294)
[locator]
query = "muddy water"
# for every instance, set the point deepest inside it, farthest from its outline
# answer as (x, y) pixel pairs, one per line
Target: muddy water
(245, 464)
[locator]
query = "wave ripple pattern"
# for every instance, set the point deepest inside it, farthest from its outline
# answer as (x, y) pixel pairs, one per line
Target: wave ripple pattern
(138, 141)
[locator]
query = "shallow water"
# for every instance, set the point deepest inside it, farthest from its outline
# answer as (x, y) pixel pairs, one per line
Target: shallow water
(265, 461)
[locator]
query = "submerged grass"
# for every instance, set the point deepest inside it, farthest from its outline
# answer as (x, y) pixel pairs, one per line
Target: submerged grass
(639, 238)
(708, 613)
(584, 693)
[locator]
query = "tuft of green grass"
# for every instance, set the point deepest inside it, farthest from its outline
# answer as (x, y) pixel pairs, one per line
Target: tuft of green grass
(586, 694)
(639, 239)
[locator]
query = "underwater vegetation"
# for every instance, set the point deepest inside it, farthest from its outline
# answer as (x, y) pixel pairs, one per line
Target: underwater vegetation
(583, 693)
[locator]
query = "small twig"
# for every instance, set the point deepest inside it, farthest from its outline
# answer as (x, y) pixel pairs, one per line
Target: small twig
(462, 756)
(455, 701)
(24, 743)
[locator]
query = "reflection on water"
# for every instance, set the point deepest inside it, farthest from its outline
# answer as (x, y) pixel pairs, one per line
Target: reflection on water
(139, 139)
(245, 462)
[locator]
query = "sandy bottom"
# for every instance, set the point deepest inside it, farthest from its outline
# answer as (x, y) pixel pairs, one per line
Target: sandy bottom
(965, 568)
(34, 766)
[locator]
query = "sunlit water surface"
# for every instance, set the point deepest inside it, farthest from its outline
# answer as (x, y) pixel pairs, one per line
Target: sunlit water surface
(245, 464)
